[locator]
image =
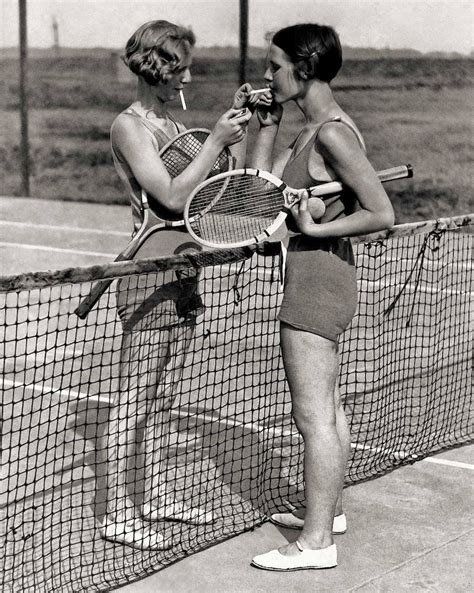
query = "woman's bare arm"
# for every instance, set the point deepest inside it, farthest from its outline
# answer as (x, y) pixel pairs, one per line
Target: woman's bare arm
(136, 147)
(373, 210)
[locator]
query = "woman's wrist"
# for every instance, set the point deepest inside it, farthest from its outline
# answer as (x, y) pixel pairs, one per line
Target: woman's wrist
(269, 129)
(314, 231)
(214, 143)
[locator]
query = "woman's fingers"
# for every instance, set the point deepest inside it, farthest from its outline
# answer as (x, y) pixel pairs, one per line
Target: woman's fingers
(264, 98)
(231, 126)
(246, 96)
(238, 115)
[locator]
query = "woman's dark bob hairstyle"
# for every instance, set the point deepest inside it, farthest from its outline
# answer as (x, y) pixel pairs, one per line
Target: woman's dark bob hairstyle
(157, 49)
(315, 50)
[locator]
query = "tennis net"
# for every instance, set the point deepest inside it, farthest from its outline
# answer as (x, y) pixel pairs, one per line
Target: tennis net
(222, 453)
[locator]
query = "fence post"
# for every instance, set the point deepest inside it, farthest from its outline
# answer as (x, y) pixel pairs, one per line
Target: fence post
(244, 26)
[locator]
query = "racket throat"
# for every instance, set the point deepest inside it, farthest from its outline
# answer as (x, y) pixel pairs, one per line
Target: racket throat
(293, 197)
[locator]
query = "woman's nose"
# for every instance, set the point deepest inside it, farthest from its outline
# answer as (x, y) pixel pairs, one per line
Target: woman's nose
(268, 75)
(187, 76)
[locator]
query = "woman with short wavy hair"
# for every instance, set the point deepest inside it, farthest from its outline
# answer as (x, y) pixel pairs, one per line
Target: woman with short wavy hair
(157, 49)
(158, 318)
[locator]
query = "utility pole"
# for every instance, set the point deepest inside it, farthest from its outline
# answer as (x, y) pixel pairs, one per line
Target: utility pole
(24, 141)
(55, 36)
(244, 31)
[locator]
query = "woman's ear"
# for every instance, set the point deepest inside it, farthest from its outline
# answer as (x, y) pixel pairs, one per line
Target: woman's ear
(301, 71)
(307, 68)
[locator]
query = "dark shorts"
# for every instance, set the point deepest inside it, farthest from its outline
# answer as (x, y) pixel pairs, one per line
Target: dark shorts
(158, 301)
(320, 294)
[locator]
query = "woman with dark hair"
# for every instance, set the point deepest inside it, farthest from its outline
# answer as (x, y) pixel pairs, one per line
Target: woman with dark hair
(158, 313)
(320, 293)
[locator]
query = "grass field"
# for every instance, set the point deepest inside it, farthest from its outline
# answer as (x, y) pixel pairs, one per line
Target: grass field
(417, 111)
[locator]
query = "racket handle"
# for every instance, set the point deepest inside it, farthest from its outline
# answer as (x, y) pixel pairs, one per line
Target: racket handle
(86, 305)
(334, 187)
(403, 171)
(98, 289)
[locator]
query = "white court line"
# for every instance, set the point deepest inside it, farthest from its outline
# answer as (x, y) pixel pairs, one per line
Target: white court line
(55, 249)
(51, 227)
(253, 426)
(377, 284)
(257, 427)
(458, 464)
(51, 390)
(91, 253)
(31, 225)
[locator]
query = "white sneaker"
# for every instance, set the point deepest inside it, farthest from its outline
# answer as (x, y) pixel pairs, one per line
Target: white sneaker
(291, 521)
(177, 511)
(133, 533)
(305, 560)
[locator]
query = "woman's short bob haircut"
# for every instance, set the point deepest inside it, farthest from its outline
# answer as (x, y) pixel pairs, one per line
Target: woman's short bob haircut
(157, 49)
(315, 50)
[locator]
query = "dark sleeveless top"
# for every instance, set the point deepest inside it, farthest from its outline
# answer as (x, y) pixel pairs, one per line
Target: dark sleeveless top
(320, 292)
(297, 175)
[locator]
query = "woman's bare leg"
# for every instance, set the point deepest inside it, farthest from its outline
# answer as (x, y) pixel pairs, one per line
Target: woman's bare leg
(343, 432)
(158, 426)
(140, 370)
(311, 367)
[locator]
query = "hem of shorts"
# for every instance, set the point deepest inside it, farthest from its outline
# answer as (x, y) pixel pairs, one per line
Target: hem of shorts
(188, 321)
(311, 330)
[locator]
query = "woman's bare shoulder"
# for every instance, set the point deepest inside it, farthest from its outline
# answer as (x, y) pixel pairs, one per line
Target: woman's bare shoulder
(124, 122)
(336, 131)
(127, 131)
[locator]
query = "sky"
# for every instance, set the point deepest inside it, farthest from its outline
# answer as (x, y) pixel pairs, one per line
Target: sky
(424, 25)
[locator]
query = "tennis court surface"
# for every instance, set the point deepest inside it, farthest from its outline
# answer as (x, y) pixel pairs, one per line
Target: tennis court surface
(406, 380)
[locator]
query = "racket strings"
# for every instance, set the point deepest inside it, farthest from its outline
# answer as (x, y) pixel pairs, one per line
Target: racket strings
(234, 209)
(184, 149)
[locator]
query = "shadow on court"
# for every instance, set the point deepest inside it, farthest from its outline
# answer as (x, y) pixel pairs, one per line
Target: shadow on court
(409, 531)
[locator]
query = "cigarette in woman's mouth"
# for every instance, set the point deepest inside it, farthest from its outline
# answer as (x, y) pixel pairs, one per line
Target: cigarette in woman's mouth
(259, 91)
(183, 102)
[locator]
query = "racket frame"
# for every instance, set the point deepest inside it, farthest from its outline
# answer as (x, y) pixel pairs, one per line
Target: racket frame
(151, 223)
(291, 196)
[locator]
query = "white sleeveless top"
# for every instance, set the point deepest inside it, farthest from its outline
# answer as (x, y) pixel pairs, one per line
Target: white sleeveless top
(167, 241)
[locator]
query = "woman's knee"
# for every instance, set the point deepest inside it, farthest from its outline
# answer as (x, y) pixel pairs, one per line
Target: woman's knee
(313, 423)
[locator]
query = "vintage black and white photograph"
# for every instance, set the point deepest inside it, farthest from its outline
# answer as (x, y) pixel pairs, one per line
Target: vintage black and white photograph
(236, 296)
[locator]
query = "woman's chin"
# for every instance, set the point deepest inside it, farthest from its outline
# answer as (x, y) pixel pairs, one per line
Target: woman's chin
(279, 99)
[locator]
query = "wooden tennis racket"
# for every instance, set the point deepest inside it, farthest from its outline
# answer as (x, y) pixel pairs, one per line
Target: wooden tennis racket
(246, 206)
(176, 155)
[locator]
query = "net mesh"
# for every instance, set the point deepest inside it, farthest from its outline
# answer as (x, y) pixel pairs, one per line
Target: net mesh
(203, 404)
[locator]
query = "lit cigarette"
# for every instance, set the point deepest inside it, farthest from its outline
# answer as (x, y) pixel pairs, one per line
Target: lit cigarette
(183, 102)
(259, 91)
